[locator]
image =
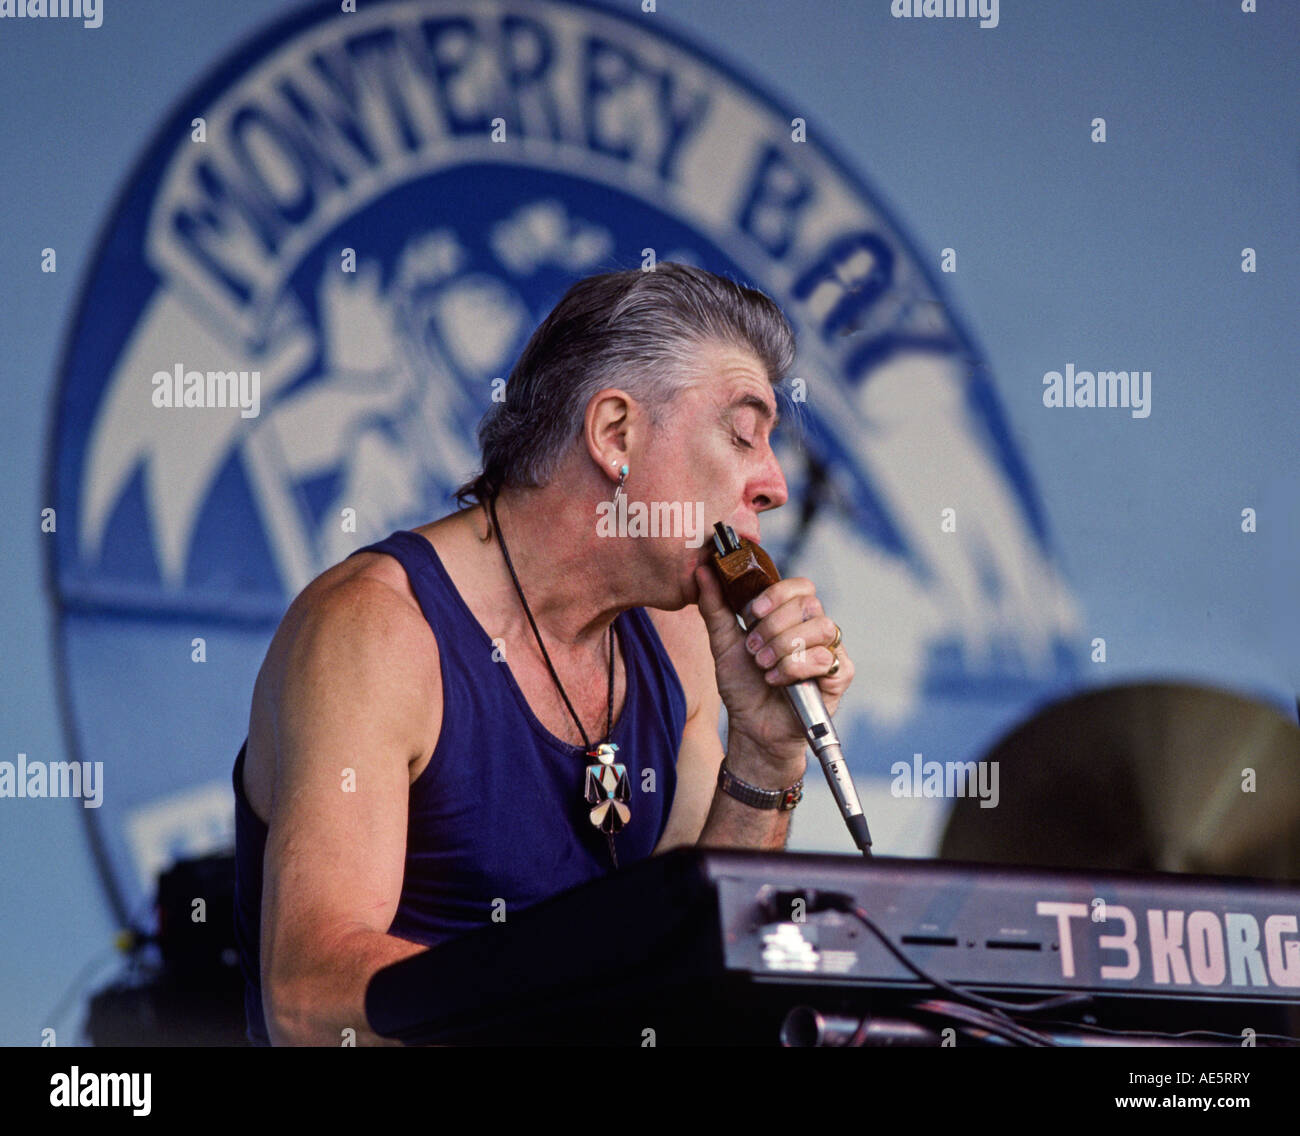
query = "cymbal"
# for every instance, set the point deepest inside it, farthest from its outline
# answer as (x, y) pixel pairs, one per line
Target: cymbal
(1168, 777)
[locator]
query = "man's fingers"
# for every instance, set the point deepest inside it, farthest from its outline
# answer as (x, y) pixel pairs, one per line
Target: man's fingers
(814, 664)
(719, 619)
(782, 592)
(799, 639)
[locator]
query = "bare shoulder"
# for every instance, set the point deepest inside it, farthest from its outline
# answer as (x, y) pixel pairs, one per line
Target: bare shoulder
(686, 640)
(353, 659)
(363, 603)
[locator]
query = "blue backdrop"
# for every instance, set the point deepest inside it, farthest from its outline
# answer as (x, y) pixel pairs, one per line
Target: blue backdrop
(1125, 254)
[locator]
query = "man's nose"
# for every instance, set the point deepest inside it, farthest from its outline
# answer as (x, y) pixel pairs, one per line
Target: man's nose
(770, 490)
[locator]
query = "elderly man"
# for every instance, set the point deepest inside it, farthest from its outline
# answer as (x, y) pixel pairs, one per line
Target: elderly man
(432, 735)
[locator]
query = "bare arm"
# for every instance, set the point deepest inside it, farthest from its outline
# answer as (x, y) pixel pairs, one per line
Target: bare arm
(732, 823)
(702, 813)
(352, 713)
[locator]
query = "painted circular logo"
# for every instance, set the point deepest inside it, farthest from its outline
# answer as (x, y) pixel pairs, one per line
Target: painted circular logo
(319, 275)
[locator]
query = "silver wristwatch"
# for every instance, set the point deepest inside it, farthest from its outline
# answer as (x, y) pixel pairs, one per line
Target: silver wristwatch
(783, 799)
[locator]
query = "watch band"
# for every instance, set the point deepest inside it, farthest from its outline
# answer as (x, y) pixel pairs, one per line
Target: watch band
(783, 799)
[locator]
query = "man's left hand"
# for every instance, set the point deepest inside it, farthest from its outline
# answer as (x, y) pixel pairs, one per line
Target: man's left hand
(788, 640)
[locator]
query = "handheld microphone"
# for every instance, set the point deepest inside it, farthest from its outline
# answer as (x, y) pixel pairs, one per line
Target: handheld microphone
(744, 570)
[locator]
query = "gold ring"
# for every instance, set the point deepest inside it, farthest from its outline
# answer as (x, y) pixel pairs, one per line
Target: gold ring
(839, 637)
(835, 666)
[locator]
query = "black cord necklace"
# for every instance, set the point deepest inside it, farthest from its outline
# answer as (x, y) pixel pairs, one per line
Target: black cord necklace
(605, 786)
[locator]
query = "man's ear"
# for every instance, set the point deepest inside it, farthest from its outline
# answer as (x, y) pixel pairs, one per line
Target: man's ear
(610, 426)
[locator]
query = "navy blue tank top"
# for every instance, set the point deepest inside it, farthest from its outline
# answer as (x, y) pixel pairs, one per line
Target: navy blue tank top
(498, 812)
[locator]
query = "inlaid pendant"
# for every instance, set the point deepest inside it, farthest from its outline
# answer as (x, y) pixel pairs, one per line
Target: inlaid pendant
(607, 789)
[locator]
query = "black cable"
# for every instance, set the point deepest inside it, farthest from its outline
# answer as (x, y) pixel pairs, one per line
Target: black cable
(1233, 1037)
(74, 988)
(127, 942)
(843, 903)
(967, 1015)
(992, 1022)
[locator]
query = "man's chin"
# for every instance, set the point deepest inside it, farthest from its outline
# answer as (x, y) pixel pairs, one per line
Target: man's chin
(703, 552)
(690, 589)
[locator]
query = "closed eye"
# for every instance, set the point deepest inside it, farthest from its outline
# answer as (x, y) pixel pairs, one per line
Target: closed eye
(742, 443)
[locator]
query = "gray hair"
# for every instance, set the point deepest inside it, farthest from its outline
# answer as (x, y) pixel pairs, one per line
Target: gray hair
(638, 330)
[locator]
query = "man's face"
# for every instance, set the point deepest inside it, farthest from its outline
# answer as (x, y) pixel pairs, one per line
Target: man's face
(715, 447)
